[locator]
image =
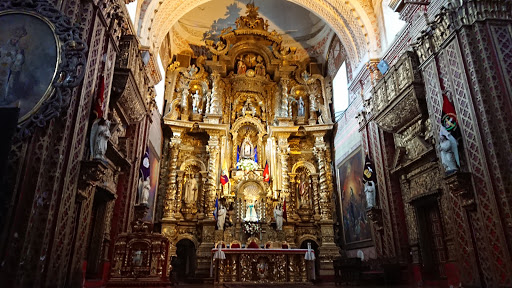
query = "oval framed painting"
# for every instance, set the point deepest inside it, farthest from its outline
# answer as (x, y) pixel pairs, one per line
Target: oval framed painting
(30, 55)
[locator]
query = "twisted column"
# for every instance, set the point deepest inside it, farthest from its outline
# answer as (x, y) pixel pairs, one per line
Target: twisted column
(284, 150)
(324, 175)
(179, 194)
(316, 198)
(213, 150)
(170, 194)
(201, 195)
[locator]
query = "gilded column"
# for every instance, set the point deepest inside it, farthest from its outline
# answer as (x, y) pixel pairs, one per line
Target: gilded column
(316, 198)
(200, 197)
(170, 195)
(179, 192)
(284, 150)
(324, 175)
(213, 149)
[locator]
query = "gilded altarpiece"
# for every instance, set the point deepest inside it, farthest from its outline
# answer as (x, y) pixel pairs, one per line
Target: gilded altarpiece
(248, 104)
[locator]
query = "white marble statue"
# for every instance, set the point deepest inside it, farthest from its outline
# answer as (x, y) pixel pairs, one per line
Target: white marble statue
(221, 217)
(196, 98)
(370, 191)
(144, 187)
(191, 189)
(100, 133)
(300, 111)
(250, 214)
(278, 215)
(449, 152)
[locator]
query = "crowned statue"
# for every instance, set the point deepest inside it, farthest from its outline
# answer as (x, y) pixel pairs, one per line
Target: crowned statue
(250, 214)
(247, 149)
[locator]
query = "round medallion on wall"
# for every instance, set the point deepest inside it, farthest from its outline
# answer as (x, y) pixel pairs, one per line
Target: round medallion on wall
(29, 57)
(42, 59)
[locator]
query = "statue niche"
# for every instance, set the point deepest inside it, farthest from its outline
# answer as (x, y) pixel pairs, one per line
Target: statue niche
(250, 64)
(191, 190)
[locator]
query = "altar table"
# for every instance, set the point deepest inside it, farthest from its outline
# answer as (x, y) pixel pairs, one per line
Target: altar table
(261, 265)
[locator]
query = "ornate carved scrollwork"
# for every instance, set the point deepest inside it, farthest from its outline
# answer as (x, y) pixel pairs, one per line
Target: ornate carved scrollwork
(399, 98)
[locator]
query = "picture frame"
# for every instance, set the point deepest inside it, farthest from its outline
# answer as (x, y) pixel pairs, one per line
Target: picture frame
(355, 224)
(42, 59)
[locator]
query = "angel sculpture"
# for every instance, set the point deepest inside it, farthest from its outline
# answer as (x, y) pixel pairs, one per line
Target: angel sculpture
(144, 188)
(100, 133)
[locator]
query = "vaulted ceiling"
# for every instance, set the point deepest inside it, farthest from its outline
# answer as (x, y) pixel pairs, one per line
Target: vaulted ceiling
(308, 23)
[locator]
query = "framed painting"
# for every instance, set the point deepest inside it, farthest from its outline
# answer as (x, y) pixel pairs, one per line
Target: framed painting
(154, 166)
(42, 58)
(356, 226)
(29, 57)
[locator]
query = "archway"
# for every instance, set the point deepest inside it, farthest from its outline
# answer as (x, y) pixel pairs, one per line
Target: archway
(184, 263)
(353, 21)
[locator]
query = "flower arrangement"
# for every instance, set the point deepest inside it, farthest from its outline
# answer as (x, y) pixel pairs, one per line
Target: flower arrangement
(247, 165)
(251, 228)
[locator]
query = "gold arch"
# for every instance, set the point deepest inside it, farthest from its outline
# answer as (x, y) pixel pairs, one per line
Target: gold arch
(187, 237)
(192, 161)
(306, 164)
(353, 21)
(248, 119)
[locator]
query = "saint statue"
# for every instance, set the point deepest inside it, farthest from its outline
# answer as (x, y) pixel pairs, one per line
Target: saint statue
(259, 69)
(221, 217)
(192, 70)
(278, 215)
(12, 58)
(191, 189)
(370, 191)
(449, 152)
(195, 102)
(247, 151)
(100, 133)
(301, 107)
(250, 215)
(304, 190)
(144, 187)
(241, 67)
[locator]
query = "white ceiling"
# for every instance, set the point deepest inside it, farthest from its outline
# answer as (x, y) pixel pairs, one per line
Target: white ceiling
(298, 26)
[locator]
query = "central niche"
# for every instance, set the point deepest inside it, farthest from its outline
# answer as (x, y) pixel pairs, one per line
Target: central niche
(252, 195)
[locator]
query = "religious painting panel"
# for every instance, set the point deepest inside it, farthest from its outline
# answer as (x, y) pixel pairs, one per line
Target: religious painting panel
(154, 166)
(28, 61)
(42, 57)
(356, 226)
